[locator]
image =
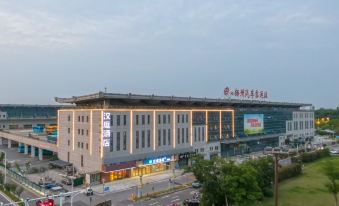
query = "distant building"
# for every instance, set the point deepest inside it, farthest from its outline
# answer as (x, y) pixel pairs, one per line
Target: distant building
(113, 136)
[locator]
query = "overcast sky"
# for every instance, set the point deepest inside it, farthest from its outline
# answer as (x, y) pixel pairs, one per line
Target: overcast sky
(194, 48)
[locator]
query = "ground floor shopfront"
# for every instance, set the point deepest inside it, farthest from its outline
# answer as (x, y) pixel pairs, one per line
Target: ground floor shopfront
(137, 168)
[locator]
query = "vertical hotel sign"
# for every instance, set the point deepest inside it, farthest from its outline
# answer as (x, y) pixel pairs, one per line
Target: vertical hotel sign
(106, 129)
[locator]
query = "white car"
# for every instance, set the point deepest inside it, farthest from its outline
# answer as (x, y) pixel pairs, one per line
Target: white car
(333, 151)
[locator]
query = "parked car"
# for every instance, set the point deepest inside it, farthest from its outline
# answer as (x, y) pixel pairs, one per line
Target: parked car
(89, 192)
(66, 181)
(334, 151)
(196, 184)
(49, 186)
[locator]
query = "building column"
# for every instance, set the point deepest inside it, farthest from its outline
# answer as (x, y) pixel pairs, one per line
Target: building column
(40, 154)
(9, 143)
(25, 149)
(32, 151)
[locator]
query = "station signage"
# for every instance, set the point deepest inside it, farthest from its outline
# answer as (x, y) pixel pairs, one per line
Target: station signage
(157, 160)
(245, 93)
(106, 129)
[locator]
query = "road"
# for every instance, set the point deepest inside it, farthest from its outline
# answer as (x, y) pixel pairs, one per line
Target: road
(3, 199)
(121, 198)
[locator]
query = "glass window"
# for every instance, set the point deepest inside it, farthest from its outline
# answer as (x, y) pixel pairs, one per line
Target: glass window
(199, 134)
(186, 135)
(178, 118)
(195, 134)
(111, 142)
(169, 136)
(178, 133)
(125, 120)
(187, 118)
(118, 141)
(183, 118)
(124, 147)
(143, 119)
(159, 137)
(137, 140)
(148, 119)
(169, 119)
(164, 119)
(118, 120)
(183, 135)
(148, 138)
(164, 136)
(159, 119)
(143, 139)
(137, 119)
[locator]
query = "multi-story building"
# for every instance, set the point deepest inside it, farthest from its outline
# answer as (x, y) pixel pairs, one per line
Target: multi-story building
(113, 136)
(27, 116)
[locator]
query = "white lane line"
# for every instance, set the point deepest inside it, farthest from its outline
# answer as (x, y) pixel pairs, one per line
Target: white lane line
(154, 203)
(176, 200)
(164, 197)
(175, 197)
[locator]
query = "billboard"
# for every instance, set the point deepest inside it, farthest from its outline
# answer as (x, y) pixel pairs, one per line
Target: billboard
(253, 124)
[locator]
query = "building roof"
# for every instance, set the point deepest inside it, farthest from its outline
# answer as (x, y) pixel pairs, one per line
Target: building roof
(154, 100)
(30, 111)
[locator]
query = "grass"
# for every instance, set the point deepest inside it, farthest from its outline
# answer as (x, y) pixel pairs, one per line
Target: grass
(307, 189)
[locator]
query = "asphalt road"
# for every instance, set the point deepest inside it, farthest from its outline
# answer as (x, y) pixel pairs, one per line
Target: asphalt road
(3, 199)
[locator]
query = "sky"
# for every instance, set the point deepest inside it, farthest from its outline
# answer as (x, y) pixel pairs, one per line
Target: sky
(65, 48)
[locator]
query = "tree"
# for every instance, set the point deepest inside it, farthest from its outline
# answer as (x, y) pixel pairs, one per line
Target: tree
(226, 183)
(332, 173)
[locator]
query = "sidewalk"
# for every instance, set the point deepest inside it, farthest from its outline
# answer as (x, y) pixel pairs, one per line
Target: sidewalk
(124, 184)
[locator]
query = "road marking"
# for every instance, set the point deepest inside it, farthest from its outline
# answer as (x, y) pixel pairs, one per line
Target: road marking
(154, 203)
(175, 196)
(176, 200)
(165, 197)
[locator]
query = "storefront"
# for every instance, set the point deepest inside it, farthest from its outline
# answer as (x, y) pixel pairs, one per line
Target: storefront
(136, 168)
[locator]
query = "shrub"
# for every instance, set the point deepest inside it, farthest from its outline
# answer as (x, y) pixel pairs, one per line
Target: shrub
(268, 192)
(289, 171)
(10, 187)
(312, 156)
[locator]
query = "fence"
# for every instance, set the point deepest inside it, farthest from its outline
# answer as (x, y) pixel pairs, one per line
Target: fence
(24, 181)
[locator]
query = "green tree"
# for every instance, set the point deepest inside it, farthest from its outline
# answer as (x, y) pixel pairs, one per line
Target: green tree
(226, 183)
(332, 173)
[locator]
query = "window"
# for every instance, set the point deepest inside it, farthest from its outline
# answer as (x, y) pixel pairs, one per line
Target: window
(78, 144)
(69, 130)
(169, 119)
(195, 134)
(78, 118)
(186, 135)
(148, 119)
(187, 118)
(87, 119)
(111, 142)
(69, 142)
(169, 136)
(136, 119)
(69, 118)
(78, 131)
(164, 119)
(82, 132)
(143, 119)
(82, 160)
(86, 132)
(111, 120)
(199, 134)
(164, 136)
(82, 118)
(124, 147)
(87, 146)
(178, 135)
(137, 140)
(148, 138)
(143, 138)
(159, 120)
(183, 118)
(68, 156)
(203, 133)
(125, 120)
(159, 137)
(118, 141)
(118, 120)
(178, 117)
(82, 145)
(183, 135)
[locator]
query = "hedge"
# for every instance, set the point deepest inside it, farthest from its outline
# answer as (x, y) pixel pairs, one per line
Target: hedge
(312, 156)
(289, 171)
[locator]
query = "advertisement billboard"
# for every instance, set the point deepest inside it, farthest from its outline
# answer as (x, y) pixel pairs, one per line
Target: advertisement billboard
(253, 124)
